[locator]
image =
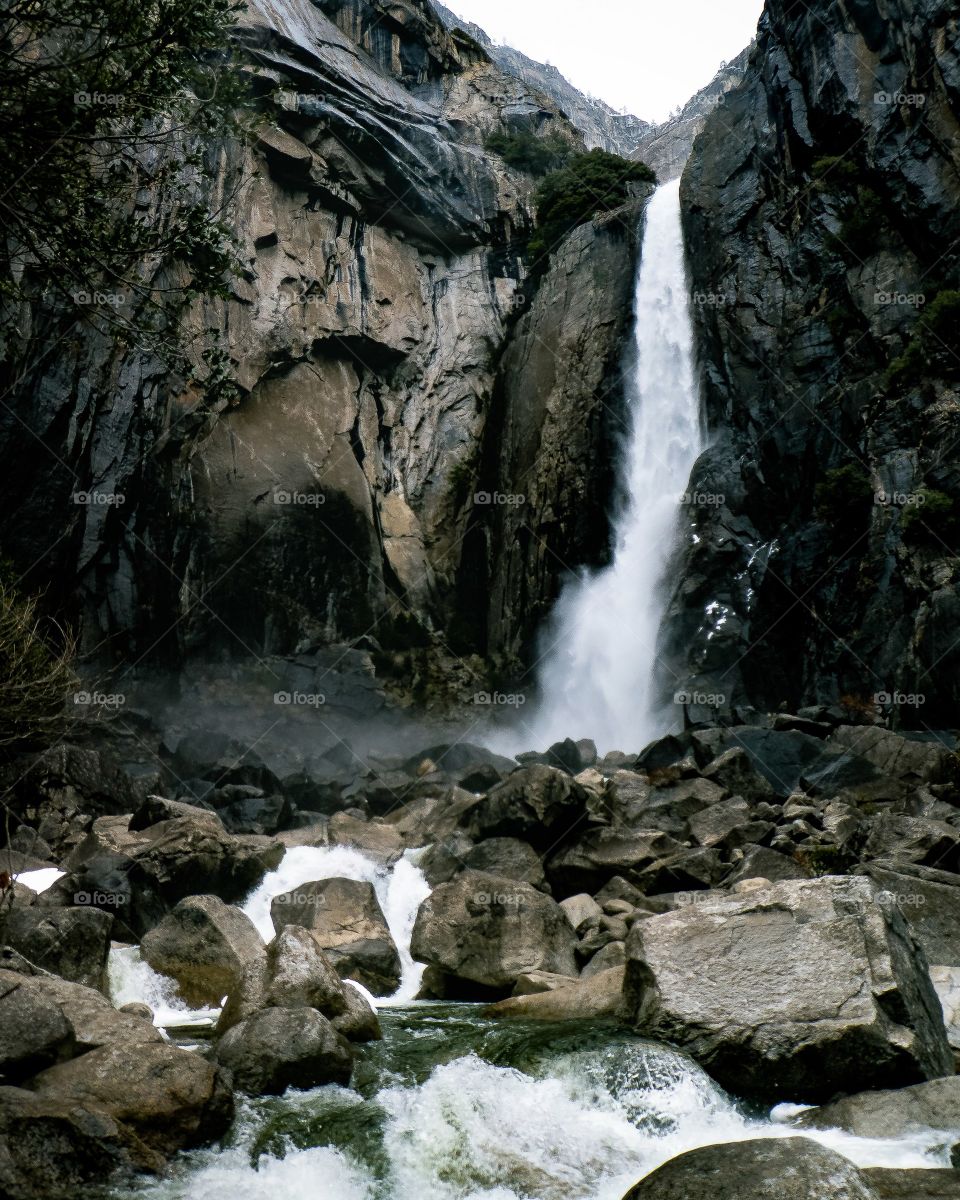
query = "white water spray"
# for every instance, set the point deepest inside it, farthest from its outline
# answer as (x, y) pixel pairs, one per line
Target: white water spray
(597, 677)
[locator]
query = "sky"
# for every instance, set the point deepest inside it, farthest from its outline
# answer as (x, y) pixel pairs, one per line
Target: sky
(647, 56)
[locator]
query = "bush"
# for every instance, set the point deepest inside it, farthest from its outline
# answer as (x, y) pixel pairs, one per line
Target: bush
(929, 353)
(843, 493)
(529, 153)
(589, 183)
(935, 521)
(36, 674)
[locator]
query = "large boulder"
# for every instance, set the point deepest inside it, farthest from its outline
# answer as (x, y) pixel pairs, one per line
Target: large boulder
(34, 1033)
(915, 758)
(345, 917)
(538, 804)
(71, 942)
(284, 1047)
(763, 1169)
(892, 1114)
(589, 862)
(294, 972)
(791, 761)
(904, 1184)
(510, 858)
(204, 945)
(140, 875)
(170, 1098)
(482, 931)
(53, 1149)
(798, 990)
(359, 1022)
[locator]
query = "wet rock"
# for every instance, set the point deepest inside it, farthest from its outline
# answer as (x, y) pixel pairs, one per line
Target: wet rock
(588, 863)
(485, 931)
(34, 1033)
(345, 917)
(583, 999)
(280, 1048)
(382, 842)
(446, 858)
(911, 758)
(764, 1169)
(888, 1115)
(359, 1021)
(531, 983)
(170, 1098)
(893, 1184)
(204, 945)
(803, 989)
(70, 942)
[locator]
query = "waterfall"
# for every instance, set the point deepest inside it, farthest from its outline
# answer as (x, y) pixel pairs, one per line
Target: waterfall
(596, 677)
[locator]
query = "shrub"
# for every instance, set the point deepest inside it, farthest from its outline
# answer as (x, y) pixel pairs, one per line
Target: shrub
(36, 674)
(526, 152)
(929, 353)
(589, 183)
(935, 521)
(843, 493)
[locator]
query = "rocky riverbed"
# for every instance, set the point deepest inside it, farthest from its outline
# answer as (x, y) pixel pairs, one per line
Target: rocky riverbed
(453, 974)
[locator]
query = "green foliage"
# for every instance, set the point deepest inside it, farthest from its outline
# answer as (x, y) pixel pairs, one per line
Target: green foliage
(526, 152)
(843, 493)
(590, 183)
(108, 108)
(36, 673)
(835, 172)
(933, 521)
(861, 224)
(929, 351)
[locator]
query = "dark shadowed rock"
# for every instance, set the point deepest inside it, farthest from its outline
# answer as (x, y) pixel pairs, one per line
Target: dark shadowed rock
(802, 989)
(765, 1169)
(508, 857)
(34, 1033)
(891, 1114)
(589, 862)
(204, 945)
(345, 917)
(359, 1023)
(538, 804)
(284, 1047)
(486, 930)
(70, 942)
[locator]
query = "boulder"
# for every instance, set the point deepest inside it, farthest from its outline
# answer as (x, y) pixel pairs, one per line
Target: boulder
(170, 1098)
(588, 863)
(904, 1184)
(483, 931)
(537, 803)
(284, 1047)
(789, 760)
(375, 838)
(920, 840)
(53, 1149)
(762, 1169)
(446, 858)
(533, 982)
(293, 972)
(759, 862)
(581, 908)
(204, 945)
(800, 990)
(734, 770)
(891, 1114)
(346, 919)
(359, 1022)
(914, 757)
(510, 858)
(34, 1033)
(579, 1000)
(71, 942)
(613, 954)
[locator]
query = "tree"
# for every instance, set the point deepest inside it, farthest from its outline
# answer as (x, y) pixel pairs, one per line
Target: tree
(106, 108)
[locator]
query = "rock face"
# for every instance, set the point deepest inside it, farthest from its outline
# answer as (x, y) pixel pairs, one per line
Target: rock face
(204, 944)
(481, 931)
(802, 989)
(381, 280)
(345, 917)
(817, 204)
(285, 1047)
(768, 1169)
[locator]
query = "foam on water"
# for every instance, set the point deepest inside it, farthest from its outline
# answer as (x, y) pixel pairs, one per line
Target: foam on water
(40, 880)
(131, 980)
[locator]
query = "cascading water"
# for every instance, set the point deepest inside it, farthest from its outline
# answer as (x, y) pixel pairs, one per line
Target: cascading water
(596, 678)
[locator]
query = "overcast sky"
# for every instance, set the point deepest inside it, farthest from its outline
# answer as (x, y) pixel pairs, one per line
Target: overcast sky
(647, 56)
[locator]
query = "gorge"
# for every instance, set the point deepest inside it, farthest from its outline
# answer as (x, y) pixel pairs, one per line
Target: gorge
(479, 719)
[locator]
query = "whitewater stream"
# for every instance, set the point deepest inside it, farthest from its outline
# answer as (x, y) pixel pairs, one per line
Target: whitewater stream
(596, 677)
(452, 1105)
